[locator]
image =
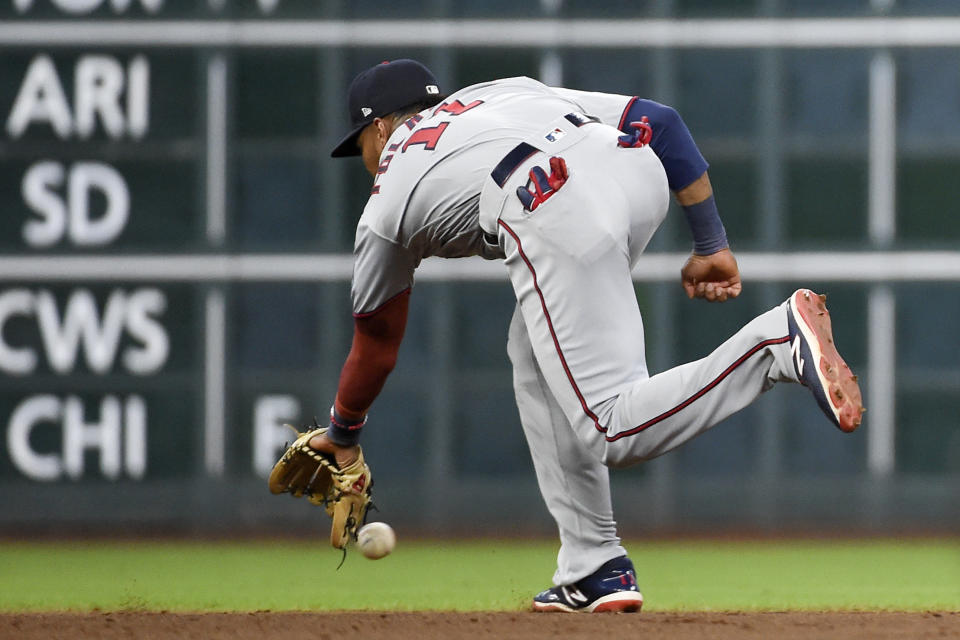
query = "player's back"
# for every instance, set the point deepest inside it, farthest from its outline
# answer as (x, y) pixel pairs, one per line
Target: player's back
(426, 194)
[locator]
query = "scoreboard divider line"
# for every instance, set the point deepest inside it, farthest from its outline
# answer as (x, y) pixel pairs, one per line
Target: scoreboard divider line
(826, 266)
(215, 383)
(738, 33)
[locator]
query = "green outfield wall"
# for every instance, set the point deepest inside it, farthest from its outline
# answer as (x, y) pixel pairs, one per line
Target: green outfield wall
(175, 258)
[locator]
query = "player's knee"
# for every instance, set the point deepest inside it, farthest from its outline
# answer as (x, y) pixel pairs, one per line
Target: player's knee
(618, 455)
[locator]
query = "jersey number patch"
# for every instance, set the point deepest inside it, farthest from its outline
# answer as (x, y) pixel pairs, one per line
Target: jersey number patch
(456, 107)
(427, 136)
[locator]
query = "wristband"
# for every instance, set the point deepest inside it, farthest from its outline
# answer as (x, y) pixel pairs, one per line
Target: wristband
(343, 432)
(709, 236)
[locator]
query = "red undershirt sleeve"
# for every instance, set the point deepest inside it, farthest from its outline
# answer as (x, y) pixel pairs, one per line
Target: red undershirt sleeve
(373, 354)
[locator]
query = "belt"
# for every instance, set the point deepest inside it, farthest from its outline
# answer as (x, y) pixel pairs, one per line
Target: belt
(523, 151)
(517, 156)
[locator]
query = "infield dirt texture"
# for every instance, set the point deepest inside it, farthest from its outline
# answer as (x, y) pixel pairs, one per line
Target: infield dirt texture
(499, 625)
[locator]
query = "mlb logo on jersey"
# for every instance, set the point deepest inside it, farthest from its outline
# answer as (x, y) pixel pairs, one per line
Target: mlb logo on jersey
(555, 135)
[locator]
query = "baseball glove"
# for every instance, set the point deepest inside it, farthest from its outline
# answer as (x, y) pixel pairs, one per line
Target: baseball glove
(344, 493)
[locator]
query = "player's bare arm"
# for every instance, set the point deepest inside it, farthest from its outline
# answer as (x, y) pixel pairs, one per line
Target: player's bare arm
(696, 192)
(715, 276)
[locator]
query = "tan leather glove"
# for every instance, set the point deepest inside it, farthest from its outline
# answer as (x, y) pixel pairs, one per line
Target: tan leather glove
(344, 493)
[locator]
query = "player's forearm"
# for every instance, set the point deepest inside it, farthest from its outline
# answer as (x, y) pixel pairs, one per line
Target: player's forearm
(373, 355)
(696, 192)
(362, 378)
(703, 217)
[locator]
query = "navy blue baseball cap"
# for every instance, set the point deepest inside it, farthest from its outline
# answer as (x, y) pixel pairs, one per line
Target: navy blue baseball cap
(381, 90)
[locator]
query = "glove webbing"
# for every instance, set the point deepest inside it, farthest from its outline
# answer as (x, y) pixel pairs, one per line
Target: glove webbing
(325, 460)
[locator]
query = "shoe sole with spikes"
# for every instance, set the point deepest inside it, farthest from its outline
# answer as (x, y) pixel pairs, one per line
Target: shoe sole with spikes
(621, 602)
(818, 363)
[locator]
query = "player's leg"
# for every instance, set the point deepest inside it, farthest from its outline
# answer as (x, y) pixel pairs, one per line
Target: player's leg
(569, 262)
(790, 343)
(653, 416)
(625, 416)
(576, 489)
(575, 485)
(587, 335)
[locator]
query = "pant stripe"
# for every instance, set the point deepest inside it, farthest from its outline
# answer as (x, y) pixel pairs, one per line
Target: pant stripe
(699, 394)
(553, 334)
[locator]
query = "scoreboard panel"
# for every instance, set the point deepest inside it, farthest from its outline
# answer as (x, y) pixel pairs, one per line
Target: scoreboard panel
(109, 154)
(174, 255)
(91, 160)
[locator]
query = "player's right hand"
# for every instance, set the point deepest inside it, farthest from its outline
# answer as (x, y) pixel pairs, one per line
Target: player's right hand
(715, 277)
(345, 456)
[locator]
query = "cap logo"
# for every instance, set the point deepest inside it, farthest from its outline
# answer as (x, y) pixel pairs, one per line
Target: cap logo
(366, 111)
(433, 89)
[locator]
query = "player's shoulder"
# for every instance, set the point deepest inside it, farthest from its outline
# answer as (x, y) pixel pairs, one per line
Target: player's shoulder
(501, 85)
(380, 218)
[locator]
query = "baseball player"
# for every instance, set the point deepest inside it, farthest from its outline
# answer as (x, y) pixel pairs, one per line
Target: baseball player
(567, 187)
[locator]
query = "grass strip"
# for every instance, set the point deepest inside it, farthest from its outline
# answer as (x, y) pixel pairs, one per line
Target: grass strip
(479, 575)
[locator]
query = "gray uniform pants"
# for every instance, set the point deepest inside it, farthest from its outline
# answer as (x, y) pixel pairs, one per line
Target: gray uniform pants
(576, 342)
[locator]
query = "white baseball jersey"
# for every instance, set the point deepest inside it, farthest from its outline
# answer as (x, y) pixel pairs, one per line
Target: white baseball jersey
(425, 200)
(585, 398)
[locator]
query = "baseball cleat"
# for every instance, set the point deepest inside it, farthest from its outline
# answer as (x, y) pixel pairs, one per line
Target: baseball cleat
(611, 588)
(818, 364)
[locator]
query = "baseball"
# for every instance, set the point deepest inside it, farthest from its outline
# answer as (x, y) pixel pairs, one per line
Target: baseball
(376, 540)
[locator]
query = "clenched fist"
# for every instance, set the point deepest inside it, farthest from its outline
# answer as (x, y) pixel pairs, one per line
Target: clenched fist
(715, 277)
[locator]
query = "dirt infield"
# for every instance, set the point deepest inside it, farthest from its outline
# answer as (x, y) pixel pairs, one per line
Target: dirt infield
(500, 626)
